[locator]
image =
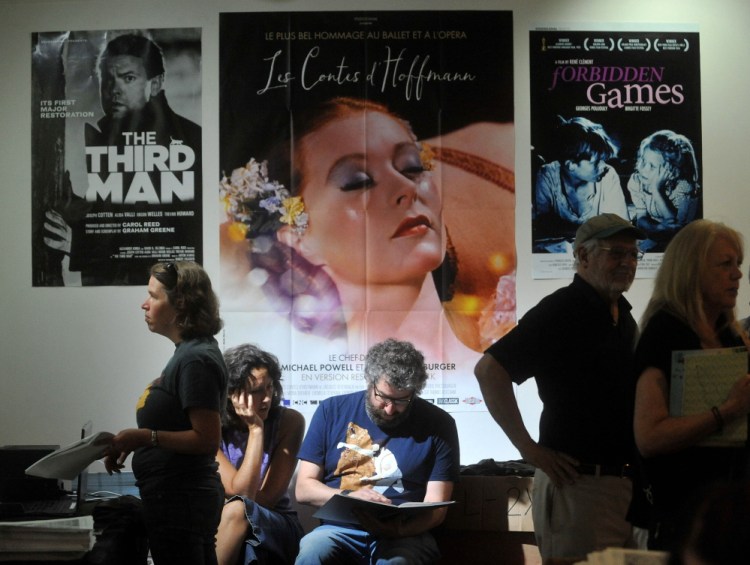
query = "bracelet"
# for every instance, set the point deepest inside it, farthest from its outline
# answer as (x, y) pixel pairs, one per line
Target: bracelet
(718, 417)
(346, 491)
(154, 438)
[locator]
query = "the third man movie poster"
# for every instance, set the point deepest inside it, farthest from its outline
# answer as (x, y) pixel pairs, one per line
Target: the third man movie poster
(116, 154)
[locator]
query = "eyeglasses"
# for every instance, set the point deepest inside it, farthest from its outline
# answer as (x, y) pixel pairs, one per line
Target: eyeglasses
(170, 275)
(388, 400)
(619, 253)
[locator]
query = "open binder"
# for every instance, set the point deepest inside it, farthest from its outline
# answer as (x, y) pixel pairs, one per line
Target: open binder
(340, 508)
(701, 379)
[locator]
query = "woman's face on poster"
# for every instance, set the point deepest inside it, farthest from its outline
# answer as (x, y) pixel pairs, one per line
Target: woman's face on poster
(375, 213)
(651, 167)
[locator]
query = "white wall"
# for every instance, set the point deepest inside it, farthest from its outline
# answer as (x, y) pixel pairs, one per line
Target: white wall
(68, 354)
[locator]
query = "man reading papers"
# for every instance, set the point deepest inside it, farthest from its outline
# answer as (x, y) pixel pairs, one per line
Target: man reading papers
(384, 444)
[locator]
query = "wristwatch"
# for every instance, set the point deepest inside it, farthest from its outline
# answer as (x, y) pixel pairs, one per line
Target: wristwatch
(346, 491)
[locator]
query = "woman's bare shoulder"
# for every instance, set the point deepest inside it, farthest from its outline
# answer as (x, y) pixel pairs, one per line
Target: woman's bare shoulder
(292, 420)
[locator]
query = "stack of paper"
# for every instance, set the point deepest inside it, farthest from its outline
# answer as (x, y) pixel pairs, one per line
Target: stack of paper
(60, 539)
(67, 462)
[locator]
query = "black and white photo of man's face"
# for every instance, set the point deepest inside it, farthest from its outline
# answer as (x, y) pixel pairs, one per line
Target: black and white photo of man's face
(124, 86)
(588, 170)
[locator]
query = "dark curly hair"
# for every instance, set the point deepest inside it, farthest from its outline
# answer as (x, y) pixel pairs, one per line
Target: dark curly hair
(240, 361)
(189, 291)
(399, 363)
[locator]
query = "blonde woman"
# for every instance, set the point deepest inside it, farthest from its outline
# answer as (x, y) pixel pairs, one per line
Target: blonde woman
(692, 307)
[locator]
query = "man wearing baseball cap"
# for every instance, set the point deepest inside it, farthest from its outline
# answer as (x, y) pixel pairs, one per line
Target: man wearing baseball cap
(578, 344)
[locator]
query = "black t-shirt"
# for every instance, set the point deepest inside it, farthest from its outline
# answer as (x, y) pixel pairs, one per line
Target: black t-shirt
(195, 377)
(674, 478)
(583, 364)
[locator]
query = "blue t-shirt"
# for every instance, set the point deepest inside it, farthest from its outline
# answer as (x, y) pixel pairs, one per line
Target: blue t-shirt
(354, 452)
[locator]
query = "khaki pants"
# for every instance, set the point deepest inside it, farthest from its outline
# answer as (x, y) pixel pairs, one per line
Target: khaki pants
(571, 521)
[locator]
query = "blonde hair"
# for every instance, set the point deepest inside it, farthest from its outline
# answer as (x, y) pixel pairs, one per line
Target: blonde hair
(678, 283)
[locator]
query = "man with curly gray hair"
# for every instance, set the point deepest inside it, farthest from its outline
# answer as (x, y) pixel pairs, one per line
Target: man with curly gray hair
(403, 367)
(384, 444)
